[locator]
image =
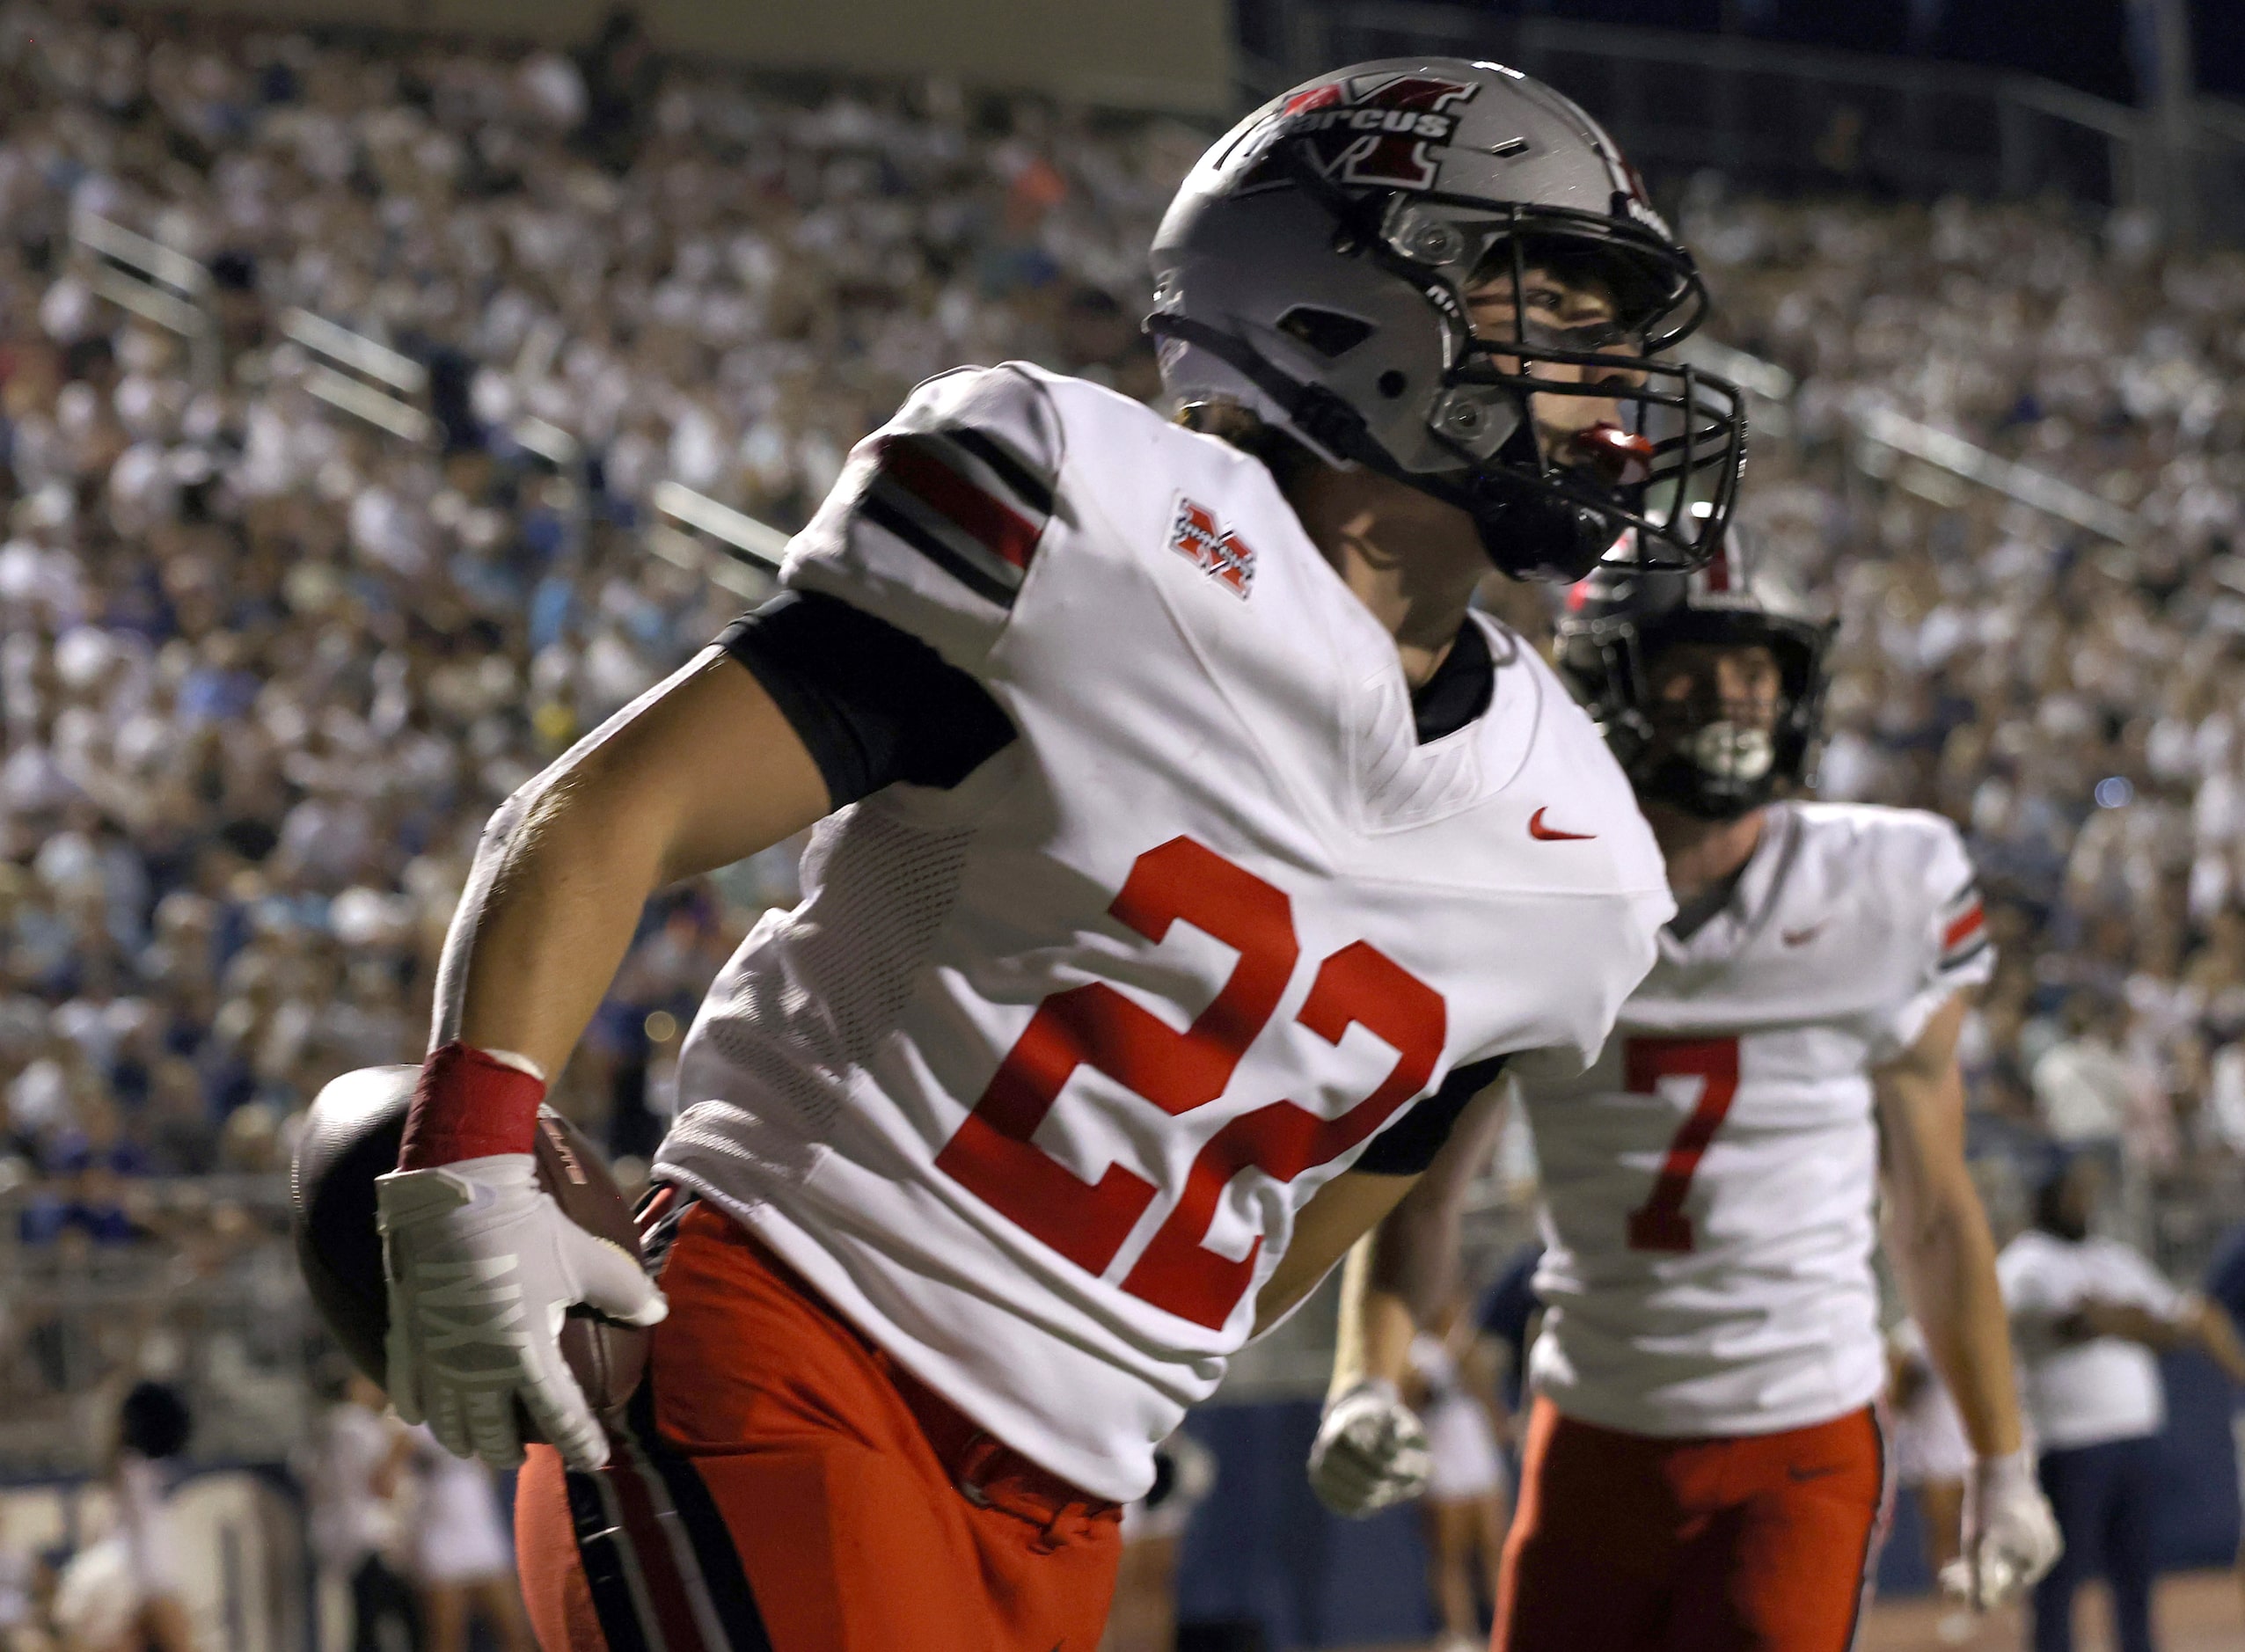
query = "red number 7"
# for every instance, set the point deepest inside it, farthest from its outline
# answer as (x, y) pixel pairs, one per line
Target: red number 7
(1660, 1224)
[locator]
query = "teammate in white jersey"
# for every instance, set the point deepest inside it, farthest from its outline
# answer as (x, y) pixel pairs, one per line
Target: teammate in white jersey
(1184, 831)
(1703, 1467)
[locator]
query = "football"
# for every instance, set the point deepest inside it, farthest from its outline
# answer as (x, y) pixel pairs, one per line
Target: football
(350, 1137)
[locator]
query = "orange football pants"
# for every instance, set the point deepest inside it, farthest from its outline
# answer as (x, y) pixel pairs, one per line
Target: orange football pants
(784, 1485)
(1626, 1543)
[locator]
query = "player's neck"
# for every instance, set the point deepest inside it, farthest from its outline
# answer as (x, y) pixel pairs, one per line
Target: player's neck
(1702, 855)
(1412, 561)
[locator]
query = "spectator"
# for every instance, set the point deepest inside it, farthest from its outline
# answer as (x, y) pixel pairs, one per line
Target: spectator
(2088, 1315)
(463, 1559)
(352, 1475)
(1931, 1456)
(2085, 1088)
(1454, 1390)
(2225, 1288)
(122, 1593)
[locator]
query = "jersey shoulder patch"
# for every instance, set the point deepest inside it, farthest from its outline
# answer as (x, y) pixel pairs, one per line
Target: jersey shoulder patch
(937, 517)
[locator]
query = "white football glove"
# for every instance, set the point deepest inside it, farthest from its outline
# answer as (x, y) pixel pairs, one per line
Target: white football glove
(1370, 1451)
(2011, 1537)
(482, 1267)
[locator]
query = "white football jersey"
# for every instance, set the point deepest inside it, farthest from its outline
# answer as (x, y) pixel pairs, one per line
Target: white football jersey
(1710, 1183)
(1033, 1081)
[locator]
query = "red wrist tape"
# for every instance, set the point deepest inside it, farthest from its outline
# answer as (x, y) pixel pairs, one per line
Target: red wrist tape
(469, 1104)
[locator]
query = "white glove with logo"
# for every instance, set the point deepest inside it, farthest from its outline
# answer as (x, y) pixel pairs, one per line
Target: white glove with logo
(482, 1268)
(1370, 1451)
(2010, 1535)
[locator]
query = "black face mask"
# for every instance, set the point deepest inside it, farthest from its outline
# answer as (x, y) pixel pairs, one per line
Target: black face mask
(1715, 770)
(1531, 535)
(1681, 784)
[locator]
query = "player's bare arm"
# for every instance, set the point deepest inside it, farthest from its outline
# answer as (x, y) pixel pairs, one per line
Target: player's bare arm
(1370, 1451)
(705, 772)
(1937, 1237)
(1937, 1233)
(1342, 1212)
(1374, 1327)
(702, 771)
(1410, 1263)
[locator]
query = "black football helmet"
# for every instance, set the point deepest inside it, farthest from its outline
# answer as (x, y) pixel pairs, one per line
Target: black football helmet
(1616, 623)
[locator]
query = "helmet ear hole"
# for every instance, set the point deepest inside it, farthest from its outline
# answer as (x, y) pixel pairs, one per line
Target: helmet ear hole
(1328, 331)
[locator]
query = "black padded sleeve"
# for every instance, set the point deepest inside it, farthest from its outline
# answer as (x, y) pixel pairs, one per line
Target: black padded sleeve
(872, 704)
(1407, 1146)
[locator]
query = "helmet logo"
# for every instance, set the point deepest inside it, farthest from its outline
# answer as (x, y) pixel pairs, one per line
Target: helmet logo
(1197, 535)
(1632, 200)
(1373, 130)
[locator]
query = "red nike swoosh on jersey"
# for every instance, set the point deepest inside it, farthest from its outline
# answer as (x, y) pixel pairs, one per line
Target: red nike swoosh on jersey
(1543, 834)
(1802, 937)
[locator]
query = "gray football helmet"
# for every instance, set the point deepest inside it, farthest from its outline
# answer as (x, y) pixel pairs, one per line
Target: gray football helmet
(1615, 625)
(1315, 267)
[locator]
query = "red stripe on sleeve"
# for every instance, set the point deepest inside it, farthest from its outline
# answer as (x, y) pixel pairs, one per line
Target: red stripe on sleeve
(1965, 928)
(936, 485)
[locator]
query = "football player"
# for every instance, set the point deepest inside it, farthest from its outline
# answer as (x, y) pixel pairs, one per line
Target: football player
(1188, 856)
(1703, 1465)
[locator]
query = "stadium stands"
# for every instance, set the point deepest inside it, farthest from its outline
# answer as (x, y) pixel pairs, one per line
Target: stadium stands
(268, 657)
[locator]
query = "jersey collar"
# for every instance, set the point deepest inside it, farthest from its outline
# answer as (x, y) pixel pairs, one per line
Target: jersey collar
(1752, 896)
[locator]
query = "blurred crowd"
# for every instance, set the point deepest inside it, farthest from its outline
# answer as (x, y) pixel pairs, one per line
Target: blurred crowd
(2073, 697)
(265, 669)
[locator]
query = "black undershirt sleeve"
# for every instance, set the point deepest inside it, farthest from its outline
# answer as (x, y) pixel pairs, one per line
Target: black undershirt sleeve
(1460, 688)
(873, 705)
(1407, 1146)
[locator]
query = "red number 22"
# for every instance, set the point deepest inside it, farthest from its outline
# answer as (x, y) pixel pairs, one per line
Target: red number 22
(1093, 1026)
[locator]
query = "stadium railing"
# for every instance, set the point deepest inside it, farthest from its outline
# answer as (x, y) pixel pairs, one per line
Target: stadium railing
(362, 377)
(727, 547)
(192, 1279)
(158, 283)
(1888, 442)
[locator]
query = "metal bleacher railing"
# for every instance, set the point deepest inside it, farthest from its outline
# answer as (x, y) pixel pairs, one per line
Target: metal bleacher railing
(732, 550)
(158, 283)
(363, 377)
(193, 1280)
(1934, 463)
